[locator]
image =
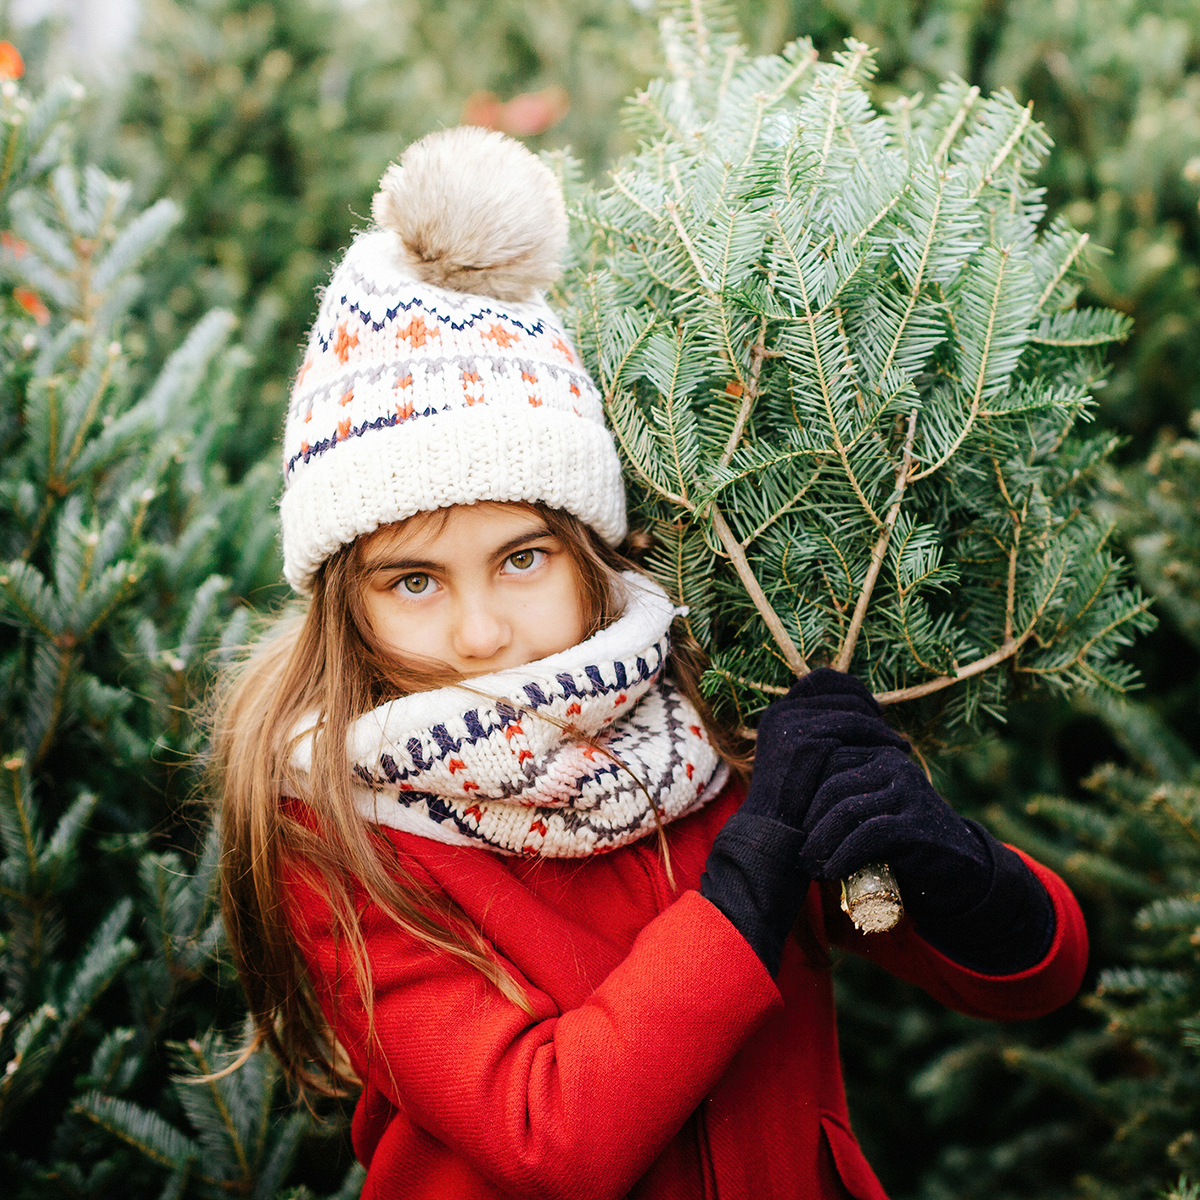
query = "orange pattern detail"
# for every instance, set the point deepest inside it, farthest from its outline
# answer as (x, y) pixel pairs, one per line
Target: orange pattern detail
(406, 382)
(573, 709)
(501, 336)
(347, 398)
(525, 375)
(456, 764)
(344, 342)
(416, 333)
(524, 755)
(344, 428)
(468, 786)
(474, 811)
(535, 403)
(574, 390)
(404, 410)
(304, 370)
(564, 349)
(469, 379)
(514, 728)
(538, 826)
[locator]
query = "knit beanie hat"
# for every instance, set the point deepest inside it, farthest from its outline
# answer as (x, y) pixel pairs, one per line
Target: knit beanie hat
(436, 374)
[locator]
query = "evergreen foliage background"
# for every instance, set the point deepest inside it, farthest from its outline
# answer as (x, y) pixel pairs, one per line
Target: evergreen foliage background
(147, 338)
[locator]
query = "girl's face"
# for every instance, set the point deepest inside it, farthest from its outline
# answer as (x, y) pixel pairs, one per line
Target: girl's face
(478, 587)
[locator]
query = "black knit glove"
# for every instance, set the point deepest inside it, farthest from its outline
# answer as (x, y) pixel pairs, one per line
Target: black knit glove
(972, 898)
(754, 875)
(825, 711)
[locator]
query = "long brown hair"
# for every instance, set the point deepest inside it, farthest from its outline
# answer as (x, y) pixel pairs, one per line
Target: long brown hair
(325, 660)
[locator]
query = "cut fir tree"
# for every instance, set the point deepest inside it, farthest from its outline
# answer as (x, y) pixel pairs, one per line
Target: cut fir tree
(840, 353)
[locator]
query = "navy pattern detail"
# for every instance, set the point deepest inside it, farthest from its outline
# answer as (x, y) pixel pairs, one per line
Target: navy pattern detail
(592, 825)
(534, 328)
(437, 744)
(386, 422)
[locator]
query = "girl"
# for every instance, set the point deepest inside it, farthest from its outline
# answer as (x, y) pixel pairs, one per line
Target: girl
(485, 852)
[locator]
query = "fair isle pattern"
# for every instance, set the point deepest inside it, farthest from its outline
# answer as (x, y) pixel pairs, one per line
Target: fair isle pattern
(441, 378)
(412, 397)
(506, 776)
(561, 758)
(377, 358)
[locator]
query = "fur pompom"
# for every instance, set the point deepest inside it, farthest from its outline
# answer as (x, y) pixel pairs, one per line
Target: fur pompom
(475, 212)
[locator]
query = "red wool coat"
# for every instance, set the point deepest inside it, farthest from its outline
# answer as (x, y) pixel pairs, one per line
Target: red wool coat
(662, 1060)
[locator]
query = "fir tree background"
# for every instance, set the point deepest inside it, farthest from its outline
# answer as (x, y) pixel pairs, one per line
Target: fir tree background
(162, 231)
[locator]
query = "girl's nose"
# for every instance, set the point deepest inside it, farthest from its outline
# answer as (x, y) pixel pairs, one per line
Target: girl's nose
(479, 632)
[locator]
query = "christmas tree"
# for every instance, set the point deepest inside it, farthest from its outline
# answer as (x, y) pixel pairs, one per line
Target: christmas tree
(845, 368)
(125, 561)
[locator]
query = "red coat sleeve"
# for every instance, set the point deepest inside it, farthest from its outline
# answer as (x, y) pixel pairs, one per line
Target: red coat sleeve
(558, 1104)
(1040, 989)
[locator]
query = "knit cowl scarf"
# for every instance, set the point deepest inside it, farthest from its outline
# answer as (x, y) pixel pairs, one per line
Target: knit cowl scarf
(564, 757)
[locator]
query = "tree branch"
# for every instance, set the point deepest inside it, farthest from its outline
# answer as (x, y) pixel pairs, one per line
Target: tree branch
(843, 451)
(1060, 274)
(915, 291)
(976, 668)
(848, 74)
(737, 556)
(1006, 651)
(998, 656)
(1006, 149)
(623, 188)
(1124, 619)
(810, 321)
(749, 394)
(1010, 596)
(769, 688)
(955, 125)
(846, 652)
(787, 508)
(673, 210)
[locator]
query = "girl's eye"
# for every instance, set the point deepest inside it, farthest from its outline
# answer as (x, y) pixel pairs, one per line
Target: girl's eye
(524, 560)
(415, 585)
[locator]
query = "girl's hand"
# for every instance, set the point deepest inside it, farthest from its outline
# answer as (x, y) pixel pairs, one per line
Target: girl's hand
(876, 805)
(973, 898)
(755, 872)
(824, 712)
(834, 789)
